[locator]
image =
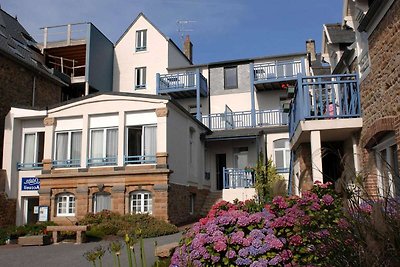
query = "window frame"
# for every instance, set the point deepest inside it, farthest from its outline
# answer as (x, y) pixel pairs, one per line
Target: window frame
(142, 142)
(35, 163)
(140, 78)
(70, 200)
(104, 147)
(236, 85)
(286, 161)
(387, 185)
(141, 41)
(141, 193)
(68, 160)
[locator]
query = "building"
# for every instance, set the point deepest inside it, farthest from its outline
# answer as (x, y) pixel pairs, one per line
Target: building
(346, 124)
(170, 139)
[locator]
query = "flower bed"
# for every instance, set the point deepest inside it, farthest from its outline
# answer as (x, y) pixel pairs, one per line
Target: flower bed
(287, 232)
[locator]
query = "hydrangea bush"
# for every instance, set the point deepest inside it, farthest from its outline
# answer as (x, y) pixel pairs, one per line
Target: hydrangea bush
(289, 231)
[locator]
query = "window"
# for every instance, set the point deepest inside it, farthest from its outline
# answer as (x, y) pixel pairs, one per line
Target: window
(101, 201)
(68, 149)
(282, 155)
(140, 78)
(103, 146)
(33, 150)
(141, 40)
(230, 77)
(141, 202)
(141, 144)
(65, 204)
(386, 156)
(192, 203)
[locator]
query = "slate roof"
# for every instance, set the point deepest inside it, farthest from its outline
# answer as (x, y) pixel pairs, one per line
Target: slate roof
(338, 35)
(17, 44)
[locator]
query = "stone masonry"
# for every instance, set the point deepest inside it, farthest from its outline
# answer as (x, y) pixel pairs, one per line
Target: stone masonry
(380, 90)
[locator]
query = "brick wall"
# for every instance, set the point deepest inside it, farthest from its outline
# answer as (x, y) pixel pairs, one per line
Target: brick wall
(380, 90)
(179, 203)
(7, 210)
(16, 83)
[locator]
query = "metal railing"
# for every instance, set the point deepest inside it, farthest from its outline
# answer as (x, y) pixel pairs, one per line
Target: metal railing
(238, 178)
(66, 66)
(140, 159)
(242, 119)
(278, 70)
(21, 166)
(65, 34)
(175, 82)
(325, 97)
(68, 163)
(102, 161)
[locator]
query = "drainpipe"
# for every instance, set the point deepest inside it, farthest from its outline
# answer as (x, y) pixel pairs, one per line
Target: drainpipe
(253, 104)
(33, 91)
(198, 113)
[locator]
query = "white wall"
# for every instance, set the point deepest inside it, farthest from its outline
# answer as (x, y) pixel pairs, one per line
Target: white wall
(242, 194)
(178, 146)
(236, 102)
(176, 58)
(155, 58)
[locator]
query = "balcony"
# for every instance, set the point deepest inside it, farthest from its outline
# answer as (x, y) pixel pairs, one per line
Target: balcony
(238, 178)
(140, 159)
(325, 97)
(272, 75)
(69, 163)
(29, 166)
(243, 119)
(182, 85)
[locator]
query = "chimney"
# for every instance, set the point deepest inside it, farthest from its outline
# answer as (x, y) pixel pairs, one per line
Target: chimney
(188, 48)
(310, 47)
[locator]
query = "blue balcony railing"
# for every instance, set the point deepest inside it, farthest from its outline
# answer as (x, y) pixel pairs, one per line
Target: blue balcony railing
(325, 97)
(102, 161)
(242, 119)
(68, 163)
(238, 178)
(187, 82)
(140, 159)
(280, 70)
(21, 166)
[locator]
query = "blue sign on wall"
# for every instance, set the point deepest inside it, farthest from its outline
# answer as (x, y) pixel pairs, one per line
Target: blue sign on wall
(30, 183)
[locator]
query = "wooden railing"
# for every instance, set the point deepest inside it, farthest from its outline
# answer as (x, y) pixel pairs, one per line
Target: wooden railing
(238, 178)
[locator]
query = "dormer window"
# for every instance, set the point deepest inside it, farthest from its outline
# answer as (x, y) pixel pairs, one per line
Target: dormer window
(141, 40)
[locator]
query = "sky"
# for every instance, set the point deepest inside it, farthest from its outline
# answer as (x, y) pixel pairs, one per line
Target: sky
(219, 29)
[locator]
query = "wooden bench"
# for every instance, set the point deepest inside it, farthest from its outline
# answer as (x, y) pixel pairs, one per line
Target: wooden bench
(79, 229)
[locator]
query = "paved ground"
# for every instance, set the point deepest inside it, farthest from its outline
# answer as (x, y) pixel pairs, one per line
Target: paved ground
(70, 255)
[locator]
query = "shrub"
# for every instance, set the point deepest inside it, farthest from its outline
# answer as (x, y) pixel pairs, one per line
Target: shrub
(109, 223)
(288, 232)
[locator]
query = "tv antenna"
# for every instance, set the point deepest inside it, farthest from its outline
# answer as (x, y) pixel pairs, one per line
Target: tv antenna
(182, 27)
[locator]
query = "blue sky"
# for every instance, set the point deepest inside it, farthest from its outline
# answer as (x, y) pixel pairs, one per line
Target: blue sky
(223, 29)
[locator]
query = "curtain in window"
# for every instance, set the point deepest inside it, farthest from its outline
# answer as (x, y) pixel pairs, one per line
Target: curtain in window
(102, 201)
(29, 148)
(96, 146)
(76, 143)
(112, 143)
(150, 140)
(62, 146)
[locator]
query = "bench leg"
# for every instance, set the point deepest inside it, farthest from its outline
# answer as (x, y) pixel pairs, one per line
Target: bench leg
(78, 237)
(55, 237)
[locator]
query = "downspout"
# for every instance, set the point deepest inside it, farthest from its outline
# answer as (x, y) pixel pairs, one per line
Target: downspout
(33, 90)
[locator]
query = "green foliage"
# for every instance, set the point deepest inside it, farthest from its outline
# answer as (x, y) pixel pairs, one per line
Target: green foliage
(268, 182)
(109, 223)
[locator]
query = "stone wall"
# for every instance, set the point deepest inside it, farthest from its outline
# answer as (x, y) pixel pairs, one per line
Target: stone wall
(179, 203)
(380, 90)
(303, 158)
(16, 87)
(7, 210)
